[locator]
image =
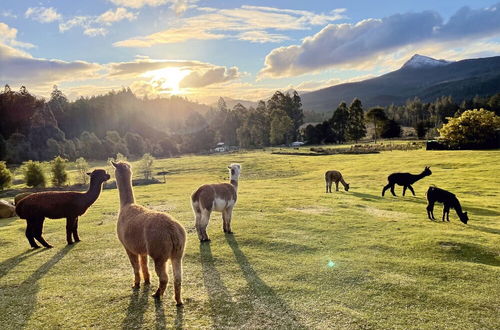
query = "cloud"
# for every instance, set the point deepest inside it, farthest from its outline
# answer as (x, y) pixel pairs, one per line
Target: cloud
(214, 75)
(43, 14)
(8, 13)
(93, 32)
(21, 68)
(81, 21)
(250, 23)
(119, 14)
(178, 6)
(351, 44)
(143, 65)
(8, 36)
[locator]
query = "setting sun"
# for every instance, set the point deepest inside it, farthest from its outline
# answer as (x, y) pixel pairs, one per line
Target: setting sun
(167, 80)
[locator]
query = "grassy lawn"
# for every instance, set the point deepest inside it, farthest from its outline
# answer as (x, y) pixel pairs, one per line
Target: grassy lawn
(299, 258)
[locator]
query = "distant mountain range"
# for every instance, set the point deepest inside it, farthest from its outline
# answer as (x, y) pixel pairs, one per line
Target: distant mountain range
(420, 76)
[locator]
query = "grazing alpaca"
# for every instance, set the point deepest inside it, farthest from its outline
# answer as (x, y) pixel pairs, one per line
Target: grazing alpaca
(145, 232)
(449, 200)
(405, 180)
(335, 176)
(58, 204)
(220, 197)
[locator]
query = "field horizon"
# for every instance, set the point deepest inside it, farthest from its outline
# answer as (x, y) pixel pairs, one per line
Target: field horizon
(299, 258)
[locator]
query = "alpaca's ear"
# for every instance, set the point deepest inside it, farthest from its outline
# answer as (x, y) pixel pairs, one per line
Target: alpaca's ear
(89, 173)
(113, 163)
(229, 167)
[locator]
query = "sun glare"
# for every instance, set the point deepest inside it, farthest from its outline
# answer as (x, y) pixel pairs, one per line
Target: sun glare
(166, 81)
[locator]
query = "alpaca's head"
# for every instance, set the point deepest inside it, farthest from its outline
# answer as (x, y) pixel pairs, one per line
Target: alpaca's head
(427, 171)
(464, 217)
(123, 171)
(346, 187)
(98, 175)
(235, 170)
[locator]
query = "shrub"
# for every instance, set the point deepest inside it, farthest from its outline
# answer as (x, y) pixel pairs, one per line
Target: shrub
(33, 174)
(390, 129)
(146, 166)
(58, 169)
(82, 167)
(5, 176)
(473, 129)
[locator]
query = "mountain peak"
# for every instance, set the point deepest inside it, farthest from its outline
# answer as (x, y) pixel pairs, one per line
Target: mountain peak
(419, 61)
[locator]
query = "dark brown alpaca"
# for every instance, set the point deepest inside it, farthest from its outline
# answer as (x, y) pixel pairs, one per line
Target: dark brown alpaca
(405, 180)
(335, 176)
(449, 200)
(58, 204)
(146, 232)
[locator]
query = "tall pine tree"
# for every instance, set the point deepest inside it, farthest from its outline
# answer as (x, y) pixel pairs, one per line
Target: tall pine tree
(356, 128)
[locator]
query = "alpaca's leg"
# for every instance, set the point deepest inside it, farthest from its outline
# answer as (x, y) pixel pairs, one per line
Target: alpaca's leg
(177, 271)
(447, 208)
(144, 267)
(70, 224)
(227, 214)
(161, 271)
(411, 189)
(75, 230)
(134, 261)
(326, 187)
(430, 211)
(404, 189)
(30, 233)
(336, 186)
(38, 229)
(197, 224)
(392, 191)
(205, 217)
(385, 188)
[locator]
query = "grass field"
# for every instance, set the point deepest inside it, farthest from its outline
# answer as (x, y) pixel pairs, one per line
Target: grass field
(299, 258)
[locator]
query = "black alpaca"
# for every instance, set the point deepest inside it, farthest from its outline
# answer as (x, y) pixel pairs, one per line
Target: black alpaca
(448, 199)
(405, 180)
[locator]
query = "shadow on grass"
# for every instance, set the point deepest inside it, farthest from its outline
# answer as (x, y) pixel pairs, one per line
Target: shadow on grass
(472, 253)
(223, 310)
(364, 196)
(136, 308)
(485, 229)
(271, 309)
(160, 316)
(21, 300)
(7, 265)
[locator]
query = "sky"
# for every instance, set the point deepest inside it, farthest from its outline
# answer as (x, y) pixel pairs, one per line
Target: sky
(239, 49)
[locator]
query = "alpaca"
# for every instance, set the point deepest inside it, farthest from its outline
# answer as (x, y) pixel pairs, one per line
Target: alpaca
(335, 176)
(145, 232)
(58, 204)
(449, 200)
(220, 197)
(405, 180)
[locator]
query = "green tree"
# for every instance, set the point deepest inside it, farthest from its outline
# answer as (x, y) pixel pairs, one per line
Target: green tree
(421, 128)
(58, 169)
(356, 128)
(3, 147)
(5, 176)
(377, 116)
(473, 129)
(390, 129)
(339, 121)
(281, 128)
(135, 144)
(146, 166)
(82, 168)
(33, 174)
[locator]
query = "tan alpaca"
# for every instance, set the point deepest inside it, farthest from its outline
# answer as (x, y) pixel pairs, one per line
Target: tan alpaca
(145, 232)
(220, 197)
(335, 176)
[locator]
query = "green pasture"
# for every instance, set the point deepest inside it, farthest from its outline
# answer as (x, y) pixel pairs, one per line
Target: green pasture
(299, 258)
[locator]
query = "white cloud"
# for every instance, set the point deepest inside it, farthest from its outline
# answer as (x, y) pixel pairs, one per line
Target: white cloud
(43, 14)
(8, 36)
(77, 21)
(250, 23)
(354, 44)
(93, 32)
(178, 6)
(8, 13)
(119, 14)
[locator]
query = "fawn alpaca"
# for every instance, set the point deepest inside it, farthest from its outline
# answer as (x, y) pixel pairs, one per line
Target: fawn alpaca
(145, 232)
(58, 204)
(405, 180)
(220, 197)
(449, 200)
(335, 176)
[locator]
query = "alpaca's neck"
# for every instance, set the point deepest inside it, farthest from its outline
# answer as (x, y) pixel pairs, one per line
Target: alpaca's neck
(126, 192)
(419, 176)
(457, 207)
(343, 182)
(93, 192)
(234, 182)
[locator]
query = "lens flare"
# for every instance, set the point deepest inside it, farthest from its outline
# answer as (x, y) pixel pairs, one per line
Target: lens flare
(330, 264)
